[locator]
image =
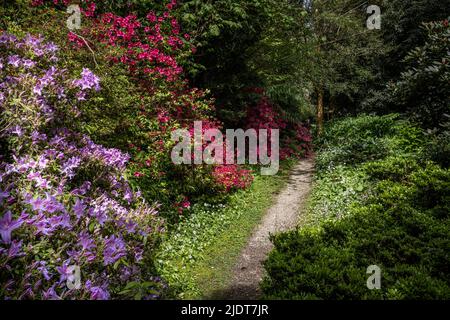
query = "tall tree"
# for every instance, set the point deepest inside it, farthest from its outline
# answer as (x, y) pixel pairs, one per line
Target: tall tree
(322, 47)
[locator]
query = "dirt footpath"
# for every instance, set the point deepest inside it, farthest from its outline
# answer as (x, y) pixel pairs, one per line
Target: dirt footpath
(282, 216)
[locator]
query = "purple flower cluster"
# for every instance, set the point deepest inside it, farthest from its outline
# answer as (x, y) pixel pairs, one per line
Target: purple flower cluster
(7, 226)
(32, 63)
(63, 198)
(109, 156)
(88, 80)
(31, 44)
(114, 250)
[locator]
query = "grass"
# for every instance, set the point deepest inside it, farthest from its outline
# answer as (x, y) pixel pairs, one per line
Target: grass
(196, 259)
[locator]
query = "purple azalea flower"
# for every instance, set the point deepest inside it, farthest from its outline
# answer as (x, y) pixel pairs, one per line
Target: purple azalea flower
(17, 130)
(79, 208)
(39, 52)
(138, 253)
(28, 64)
(43, 269)
(43, 225)
(37, 204)
(52, 205)
(7, 225)
(69, 166)
(61, 93)
(85, 187)
(125, 273)
(88, 80)
(130, 226)
(99, 211)
(6, 38)
(14, 60)
(55, 221)
(36, 136)
(24, 216)
(42, 162)
(111, 157)
(74, 255)
(81, 96)
(50, 294)
(3, 195)
(65, 221)
(48, 78)
(58, 141)
(14, 249)
(51, 47)
(128, 195)
(87, 244)
(38, 89)
(32, 41)
(33, 175)
(42, 183)
(114, 250)
(97, 292)
(64, 271)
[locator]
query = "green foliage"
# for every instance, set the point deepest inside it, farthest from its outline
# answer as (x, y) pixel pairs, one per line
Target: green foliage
(223, 32)
(364, 138)
(403, 36)
(402, 29)
(439, 145)
(213, 232)
(336, 192)
(392, 212)
(293, 101)
(423, 87)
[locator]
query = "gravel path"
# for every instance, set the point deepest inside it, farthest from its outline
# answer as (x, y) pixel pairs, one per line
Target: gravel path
(282, 216)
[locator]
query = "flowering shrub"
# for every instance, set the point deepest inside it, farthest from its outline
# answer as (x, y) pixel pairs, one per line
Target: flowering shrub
(64, 200)
(295, 138)
(153, 49)
(147, 47)
(232, 177)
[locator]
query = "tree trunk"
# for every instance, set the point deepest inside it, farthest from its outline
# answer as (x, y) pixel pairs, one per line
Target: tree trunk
(332, 109)
(320, 111)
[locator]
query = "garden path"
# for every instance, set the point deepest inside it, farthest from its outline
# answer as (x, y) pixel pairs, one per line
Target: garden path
(282, 216)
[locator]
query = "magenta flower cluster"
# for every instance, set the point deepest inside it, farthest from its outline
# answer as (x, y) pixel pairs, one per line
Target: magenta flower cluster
(64, 200)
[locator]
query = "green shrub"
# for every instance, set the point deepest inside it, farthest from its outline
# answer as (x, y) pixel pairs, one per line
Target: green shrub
(438, 147)
(397, 219)
(394, 168)
(352, 141)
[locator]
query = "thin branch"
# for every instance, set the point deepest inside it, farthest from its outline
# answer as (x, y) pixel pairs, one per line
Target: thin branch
(87, 45)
